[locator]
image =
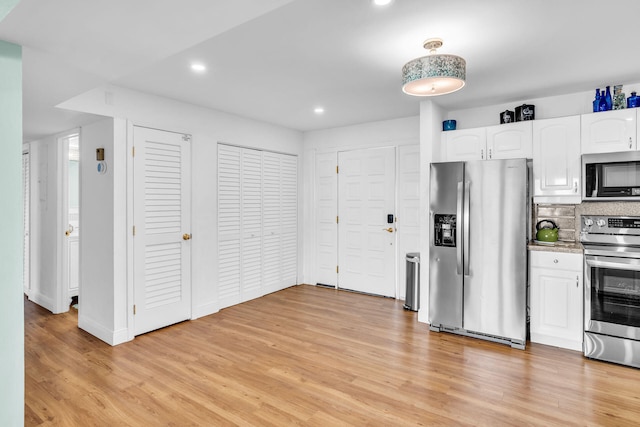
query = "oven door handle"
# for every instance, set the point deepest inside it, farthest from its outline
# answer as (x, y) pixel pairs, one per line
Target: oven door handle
(611, 262)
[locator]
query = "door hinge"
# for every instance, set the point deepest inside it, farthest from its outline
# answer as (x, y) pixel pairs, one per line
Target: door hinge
(134, 230)
(133, 151)
(337, 269)
(186, 138)
(337, 169)
(134, 309)
(337, 220)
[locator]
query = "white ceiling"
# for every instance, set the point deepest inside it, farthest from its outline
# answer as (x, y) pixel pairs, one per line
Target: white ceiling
(276, 60)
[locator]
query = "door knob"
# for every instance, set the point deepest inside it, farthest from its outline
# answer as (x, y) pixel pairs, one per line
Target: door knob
(186, 236)
(67, 233)
(390, 230)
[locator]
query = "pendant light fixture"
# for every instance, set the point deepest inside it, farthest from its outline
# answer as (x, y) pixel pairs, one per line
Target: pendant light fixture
(433, 74)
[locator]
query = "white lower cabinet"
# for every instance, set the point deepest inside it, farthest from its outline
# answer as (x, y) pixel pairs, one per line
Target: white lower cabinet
(556, 299)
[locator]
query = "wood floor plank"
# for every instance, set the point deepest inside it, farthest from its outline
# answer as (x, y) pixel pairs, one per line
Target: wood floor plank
(312, 356)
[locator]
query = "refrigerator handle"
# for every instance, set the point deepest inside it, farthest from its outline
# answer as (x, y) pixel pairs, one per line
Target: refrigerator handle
(465, 230)
(459, 207)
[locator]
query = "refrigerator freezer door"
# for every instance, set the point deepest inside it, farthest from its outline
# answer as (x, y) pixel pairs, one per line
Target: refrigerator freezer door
(495, 288)
(445, 284)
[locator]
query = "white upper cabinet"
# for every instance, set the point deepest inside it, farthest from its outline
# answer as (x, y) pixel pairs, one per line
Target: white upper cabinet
(466, 144)
(510, 141)
(609, 131)
(556, 160)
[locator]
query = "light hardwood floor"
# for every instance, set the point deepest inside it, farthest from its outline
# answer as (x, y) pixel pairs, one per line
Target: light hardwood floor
(312, 356)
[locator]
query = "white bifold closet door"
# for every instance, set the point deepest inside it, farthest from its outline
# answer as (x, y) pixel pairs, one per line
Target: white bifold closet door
(257, 223)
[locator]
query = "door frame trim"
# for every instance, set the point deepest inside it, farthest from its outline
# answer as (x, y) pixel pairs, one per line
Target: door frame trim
(130, 222)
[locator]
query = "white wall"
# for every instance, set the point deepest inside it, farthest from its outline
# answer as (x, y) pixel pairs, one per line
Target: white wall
(102, 295)
(207, 127)
(388, 133)
(11, 287)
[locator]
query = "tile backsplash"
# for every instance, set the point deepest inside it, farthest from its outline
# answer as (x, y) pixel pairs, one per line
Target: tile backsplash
(567, 217)
(564, 216)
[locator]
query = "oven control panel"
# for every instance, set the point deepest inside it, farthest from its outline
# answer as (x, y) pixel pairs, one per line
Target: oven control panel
(601, 224)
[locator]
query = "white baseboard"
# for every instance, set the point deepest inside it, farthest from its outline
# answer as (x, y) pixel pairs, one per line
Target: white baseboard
(556, 341)
(42, 300)
(204, 310)
(110, 337)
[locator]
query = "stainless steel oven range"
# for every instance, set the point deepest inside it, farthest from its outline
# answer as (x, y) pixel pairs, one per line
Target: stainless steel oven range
(612, 288)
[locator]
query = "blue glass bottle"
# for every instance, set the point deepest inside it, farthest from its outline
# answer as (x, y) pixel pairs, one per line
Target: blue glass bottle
(607, 96)
(596, 102)
(633, 101)
(602, 106)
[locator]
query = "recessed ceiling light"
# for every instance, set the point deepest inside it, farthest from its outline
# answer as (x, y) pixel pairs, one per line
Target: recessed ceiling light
(198, 68)
(318, 110)
(381, 2)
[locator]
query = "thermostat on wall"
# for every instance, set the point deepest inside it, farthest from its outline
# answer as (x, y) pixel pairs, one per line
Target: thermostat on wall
(102, 167)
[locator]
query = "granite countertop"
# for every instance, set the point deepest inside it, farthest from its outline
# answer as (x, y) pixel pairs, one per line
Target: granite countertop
(570, 247)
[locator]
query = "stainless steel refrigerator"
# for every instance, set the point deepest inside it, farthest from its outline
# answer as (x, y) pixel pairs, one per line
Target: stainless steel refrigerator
(478, 249)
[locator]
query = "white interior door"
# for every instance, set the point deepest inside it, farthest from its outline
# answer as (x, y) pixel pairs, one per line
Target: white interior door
(326, 224)
(73, 216)
(68, 205)
(251, 220)
(162, 212)
(366, 239)
(280, 224)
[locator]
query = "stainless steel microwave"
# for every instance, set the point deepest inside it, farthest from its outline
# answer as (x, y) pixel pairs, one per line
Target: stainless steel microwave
(611, 176)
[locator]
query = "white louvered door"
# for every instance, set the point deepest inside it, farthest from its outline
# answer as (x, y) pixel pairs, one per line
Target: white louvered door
(229, 224)
(251, 271)
(272, 220)
(257, 223)
(162, 248)
(280, 226)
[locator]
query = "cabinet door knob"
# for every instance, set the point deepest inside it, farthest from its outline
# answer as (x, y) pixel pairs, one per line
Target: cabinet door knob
(555, 261)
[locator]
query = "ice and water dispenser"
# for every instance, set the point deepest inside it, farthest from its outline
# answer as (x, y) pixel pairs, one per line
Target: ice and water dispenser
(444, 230)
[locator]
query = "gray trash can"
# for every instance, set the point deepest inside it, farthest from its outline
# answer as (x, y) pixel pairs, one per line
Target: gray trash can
(412, 295)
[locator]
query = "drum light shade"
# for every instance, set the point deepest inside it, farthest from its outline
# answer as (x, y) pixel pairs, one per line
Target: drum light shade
(433, 74)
